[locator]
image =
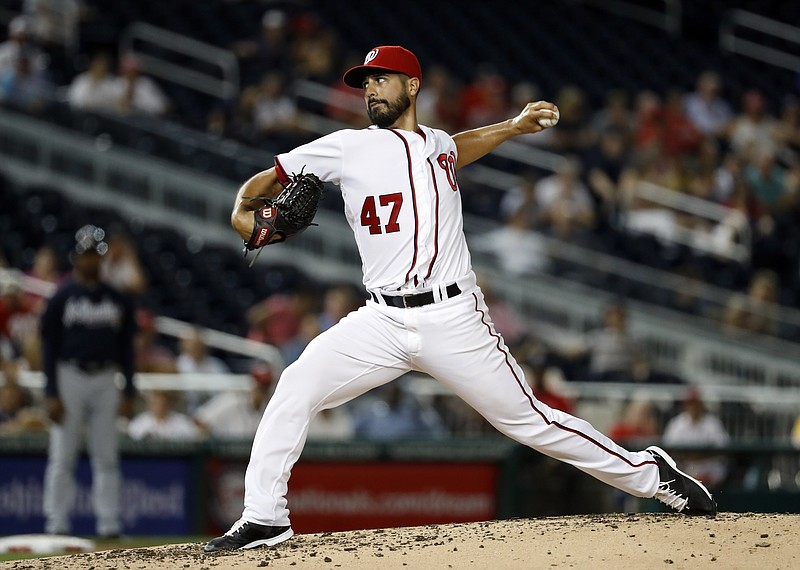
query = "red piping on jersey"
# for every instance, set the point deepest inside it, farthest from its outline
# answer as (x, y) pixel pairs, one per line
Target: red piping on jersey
(436, 224)
(283, 178)
(537, 410)
(413, 201)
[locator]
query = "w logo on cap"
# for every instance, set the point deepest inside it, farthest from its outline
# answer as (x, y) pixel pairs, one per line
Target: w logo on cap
(384, 59)
(371, 55)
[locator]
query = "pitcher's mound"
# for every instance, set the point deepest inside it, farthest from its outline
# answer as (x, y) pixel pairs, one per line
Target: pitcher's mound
(730, 540)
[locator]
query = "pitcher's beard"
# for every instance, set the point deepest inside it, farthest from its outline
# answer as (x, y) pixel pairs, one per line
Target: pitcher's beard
(386, 115)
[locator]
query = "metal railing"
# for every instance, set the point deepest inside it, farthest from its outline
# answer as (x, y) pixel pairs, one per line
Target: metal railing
(175, 328)
(749, 412)
(735, 243)
(737, 20)
(139, 37)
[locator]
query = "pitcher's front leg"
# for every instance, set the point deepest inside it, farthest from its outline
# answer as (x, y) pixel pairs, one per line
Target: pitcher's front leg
(361, 352)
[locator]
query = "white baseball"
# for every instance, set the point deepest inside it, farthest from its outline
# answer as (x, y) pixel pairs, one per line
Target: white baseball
(549, 122)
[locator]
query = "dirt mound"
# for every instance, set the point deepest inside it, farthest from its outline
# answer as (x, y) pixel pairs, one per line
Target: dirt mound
(597, 541)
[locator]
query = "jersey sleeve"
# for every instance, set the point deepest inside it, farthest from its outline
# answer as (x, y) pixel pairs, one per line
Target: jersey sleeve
(51, 330)
(322, 157)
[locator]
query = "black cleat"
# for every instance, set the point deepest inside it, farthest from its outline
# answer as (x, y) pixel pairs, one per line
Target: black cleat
(678, 490)
(245, 534)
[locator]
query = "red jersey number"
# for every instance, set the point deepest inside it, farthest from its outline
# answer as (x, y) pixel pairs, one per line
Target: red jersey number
(447, 162)
(369, 214)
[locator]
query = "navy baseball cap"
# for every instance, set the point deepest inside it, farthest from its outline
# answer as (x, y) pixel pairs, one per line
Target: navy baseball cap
(90, 239)
(394, 59)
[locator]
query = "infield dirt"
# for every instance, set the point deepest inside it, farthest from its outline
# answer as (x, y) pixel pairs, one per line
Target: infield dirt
(618, 541)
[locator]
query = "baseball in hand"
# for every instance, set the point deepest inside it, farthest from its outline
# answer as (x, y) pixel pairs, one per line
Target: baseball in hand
(547, 122)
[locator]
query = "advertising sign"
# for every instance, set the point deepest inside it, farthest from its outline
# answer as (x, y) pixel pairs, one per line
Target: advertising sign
(156, 495)
(335, 496)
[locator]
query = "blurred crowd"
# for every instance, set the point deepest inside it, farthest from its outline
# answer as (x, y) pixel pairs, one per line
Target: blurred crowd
(738, 151)
(742, 153)
(402, 409)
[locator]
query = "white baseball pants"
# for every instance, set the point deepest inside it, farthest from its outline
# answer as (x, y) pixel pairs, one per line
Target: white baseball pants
(455, 342)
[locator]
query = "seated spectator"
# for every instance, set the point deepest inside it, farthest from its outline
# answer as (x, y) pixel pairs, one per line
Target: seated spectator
(612, 349)
(517, 248)
(507, 320)
(434, 103)
(121, 267)
(605, 165)
(706, 108)
(396, 414)
(485, 100)
(194, 359)
(615, 116)
(46, 268)
(150, 355)
(572, 135)
(788, 128)
(270, 49)
(308, 331)
(460, 419)
(56, 23)
(236, 414)
(338, 302)
(314, 51)
(536, 375)
(275, 114)
(522, 197)
(795, 437)
(161, 421)
(19, 317)
(345, 104)
(669, 130)
(637, 426)
(753, 130)
(565, 202)
(332, 424)
(695, 426)
(276, 319)
(756, 312)
(766, 179)
(25, 87)
(135, 93)
(95, 89)
(610, 352)
(17, 413)
(19, 45)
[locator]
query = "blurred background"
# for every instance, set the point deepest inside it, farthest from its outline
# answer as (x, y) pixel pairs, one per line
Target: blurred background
(641, 259)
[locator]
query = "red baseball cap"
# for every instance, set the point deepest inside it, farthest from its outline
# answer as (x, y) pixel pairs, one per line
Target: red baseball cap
(394, 59)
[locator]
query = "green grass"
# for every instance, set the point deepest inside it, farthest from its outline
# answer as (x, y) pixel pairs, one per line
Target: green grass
(111, 544)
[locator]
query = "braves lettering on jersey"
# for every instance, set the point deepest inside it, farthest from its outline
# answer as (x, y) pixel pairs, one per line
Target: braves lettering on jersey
(404, 212)
(91, 326)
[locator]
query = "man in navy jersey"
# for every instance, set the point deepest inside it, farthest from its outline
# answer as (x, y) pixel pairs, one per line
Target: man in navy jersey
(87, 337)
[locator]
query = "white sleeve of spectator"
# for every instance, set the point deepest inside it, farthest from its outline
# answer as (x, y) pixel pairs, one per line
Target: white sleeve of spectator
(150, 98)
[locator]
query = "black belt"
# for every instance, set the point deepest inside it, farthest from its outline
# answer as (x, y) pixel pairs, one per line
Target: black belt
(416, 299)
(91, 366)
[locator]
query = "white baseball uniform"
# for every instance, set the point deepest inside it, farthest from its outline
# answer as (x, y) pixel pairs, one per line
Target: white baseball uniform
(403, 203)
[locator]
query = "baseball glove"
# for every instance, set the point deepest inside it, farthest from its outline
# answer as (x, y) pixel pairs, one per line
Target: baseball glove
(288, 214)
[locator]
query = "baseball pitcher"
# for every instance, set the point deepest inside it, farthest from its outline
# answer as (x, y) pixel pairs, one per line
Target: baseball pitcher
(425, 313)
